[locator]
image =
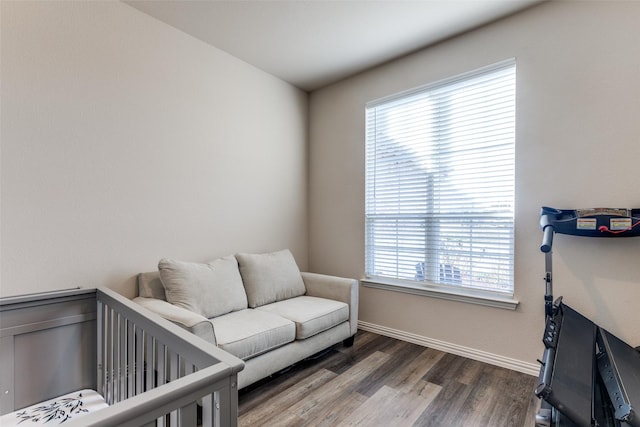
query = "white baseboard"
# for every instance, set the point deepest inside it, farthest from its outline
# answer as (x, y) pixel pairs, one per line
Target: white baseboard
(471, 353)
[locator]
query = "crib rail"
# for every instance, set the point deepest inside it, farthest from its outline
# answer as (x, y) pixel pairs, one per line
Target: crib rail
(152, 372)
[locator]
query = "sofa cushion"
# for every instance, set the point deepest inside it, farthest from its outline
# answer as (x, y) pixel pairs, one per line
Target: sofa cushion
(270, 277)
(311, 315)
(150, 286)
(248, 333)
(210, 289)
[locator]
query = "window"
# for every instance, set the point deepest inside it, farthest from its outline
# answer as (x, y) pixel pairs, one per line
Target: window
(440, 185)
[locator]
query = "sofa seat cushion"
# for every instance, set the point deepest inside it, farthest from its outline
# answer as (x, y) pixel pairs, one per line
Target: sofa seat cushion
(311, 315)
(248, 333)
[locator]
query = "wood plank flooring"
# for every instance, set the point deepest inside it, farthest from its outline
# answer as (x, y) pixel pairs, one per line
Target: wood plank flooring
(382, 381)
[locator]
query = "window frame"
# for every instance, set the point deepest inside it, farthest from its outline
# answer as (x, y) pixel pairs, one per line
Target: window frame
(493, 298)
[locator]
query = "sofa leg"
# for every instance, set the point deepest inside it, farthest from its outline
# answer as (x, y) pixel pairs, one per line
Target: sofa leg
(349, 341)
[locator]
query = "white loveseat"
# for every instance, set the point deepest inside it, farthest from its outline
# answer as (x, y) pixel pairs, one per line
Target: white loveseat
(258, 307)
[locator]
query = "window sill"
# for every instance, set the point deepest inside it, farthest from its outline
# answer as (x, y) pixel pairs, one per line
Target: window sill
(467, 296)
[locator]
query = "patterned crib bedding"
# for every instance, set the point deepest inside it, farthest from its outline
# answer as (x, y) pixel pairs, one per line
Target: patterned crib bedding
(56, 411)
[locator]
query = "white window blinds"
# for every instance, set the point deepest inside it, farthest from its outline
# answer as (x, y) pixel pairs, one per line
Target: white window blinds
(440, 183)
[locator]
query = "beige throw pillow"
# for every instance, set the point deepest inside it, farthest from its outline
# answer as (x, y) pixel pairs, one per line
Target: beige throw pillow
(270, 277)
(211, 289)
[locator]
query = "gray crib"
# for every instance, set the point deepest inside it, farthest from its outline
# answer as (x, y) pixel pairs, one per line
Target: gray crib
(148, 370)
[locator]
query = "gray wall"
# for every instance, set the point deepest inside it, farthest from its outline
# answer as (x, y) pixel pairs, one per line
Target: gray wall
(125, 140)
(578, 145)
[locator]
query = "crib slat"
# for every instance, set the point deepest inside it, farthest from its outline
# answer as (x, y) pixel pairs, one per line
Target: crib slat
(187, 415)
(118, 350)
(221, 400)
(116, 361)
(115, 343)
(124, 358)
(139, 337)
(161, 372)
(161, 363)
(122, 371)
(208, 413)
(131, 391)
(150, 362)
(100, 346)
(109, 359)
(112, 358)
(173, 365)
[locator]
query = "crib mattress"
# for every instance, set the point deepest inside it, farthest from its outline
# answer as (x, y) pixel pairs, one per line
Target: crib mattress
(56, 411)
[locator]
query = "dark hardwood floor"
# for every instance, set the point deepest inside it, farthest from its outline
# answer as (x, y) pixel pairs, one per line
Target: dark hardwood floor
(382, 381)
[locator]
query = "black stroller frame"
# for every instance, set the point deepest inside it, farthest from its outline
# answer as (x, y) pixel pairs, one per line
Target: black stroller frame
(588, 376)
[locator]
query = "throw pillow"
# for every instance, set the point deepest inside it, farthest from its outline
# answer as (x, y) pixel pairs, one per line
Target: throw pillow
(211, 289)
(270, 277)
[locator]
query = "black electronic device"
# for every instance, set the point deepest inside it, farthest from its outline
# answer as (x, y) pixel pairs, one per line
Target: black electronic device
(568, 366)
(589, 377)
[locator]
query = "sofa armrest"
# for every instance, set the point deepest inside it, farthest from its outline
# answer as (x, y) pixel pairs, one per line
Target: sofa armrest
(186, 319)
(335, 288)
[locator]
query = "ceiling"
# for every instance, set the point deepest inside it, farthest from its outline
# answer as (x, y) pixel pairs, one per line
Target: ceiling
(312, 43)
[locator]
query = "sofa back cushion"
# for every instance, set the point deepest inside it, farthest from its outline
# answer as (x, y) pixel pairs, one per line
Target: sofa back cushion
(210, 289)
(150, 286)
(270, 277)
